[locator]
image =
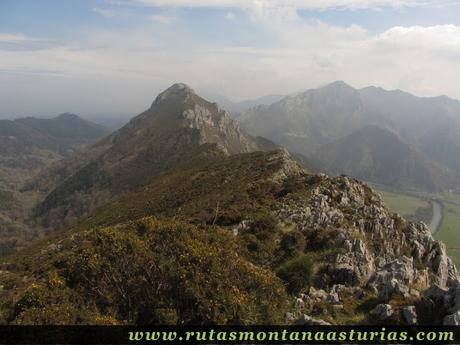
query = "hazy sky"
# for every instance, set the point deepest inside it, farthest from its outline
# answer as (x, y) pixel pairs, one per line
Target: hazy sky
(114, 56)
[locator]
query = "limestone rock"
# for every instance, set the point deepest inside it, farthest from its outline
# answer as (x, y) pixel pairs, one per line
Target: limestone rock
(382, 311)
(309, 321)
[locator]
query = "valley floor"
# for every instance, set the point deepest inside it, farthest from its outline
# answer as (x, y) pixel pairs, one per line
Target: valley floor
(440, 211)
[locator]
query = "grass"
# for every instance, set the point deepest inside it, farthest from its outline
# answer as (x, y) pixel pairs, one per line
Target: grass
(449, 232)
(451, 197)
(405, 205)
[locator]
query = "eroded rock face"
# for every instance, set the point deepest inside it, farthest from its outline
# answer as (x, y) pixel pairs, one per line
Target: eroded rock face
(382, 311)
(376, 251)
(355, 266)
(396, 277)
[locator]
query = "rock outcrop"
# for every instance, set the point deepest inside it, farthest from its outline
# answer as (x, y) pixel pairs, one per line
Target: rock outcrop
(375, 251)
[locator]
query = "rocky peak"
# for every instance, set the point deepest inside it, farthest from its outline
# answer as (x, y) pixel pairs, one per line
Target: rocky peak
(179, 107)
(175, 93)
(338, 85)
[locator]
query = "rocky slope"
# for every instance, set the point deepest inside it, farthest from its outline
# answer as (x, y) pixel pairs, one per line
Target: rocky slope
(381, 254)
(315, 249)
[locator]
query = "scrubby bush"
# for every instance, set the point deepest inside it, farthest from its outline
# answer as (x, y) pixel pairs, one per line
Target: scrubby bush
(151, 272)
(297, 273)
(50, 303)
(292, 243)
(321, 239)
(260, 239)
(264, 226)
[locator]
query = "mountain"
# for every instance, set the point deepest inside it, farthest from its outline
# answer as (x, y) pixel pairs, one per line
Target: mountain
(69, 127)
(248, 238)
(307, 122)
(178, 126)
(442, 143)
(59, 134)
(413, 116)
(27, 146)
(244, 105)
(380, 155)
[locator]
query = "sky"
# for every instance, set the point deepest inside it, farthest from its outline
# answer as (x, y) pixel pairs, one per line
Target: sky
(112, 57)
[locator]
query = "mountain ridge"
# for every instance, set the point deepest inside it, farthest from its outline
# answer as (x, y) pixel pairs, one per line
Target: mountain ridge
(311, 120)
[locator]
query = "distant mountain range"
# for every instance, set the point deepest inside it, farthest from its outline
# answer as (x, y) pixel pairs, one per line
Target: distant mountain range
(335, 124)
(62, 133)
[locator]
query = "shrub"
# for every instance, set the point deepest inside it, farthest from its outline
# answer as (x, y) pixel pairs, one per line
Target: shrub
(260, 239)
(150, 272)
(296, 273)
(321, 239)
(264, 226)
(292, 243)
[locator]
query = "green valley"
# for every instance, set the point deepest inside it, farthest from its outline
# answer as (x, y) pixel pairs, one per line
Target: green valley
(414, 207)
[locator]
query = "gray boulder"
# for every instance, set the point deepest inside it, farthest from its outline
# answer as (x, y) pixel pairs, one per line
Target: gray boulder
(382, 311)
(309, 321)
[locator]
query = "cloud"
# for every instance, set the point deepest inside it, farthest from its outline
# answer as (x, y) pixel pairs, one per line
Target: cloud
(110, 12)
(104, 12)
(14, 38)
(229, 16)
(429, 38)
(297, 4)
(22, 42)
(124, 69)
(162, 19)
(281, 10)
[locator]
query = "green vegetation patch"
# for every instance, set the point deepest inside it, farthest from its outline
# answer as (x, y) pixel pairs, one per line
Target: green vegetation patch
(297, 273)
(405, 205)
(449, 231)
(144, 272)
